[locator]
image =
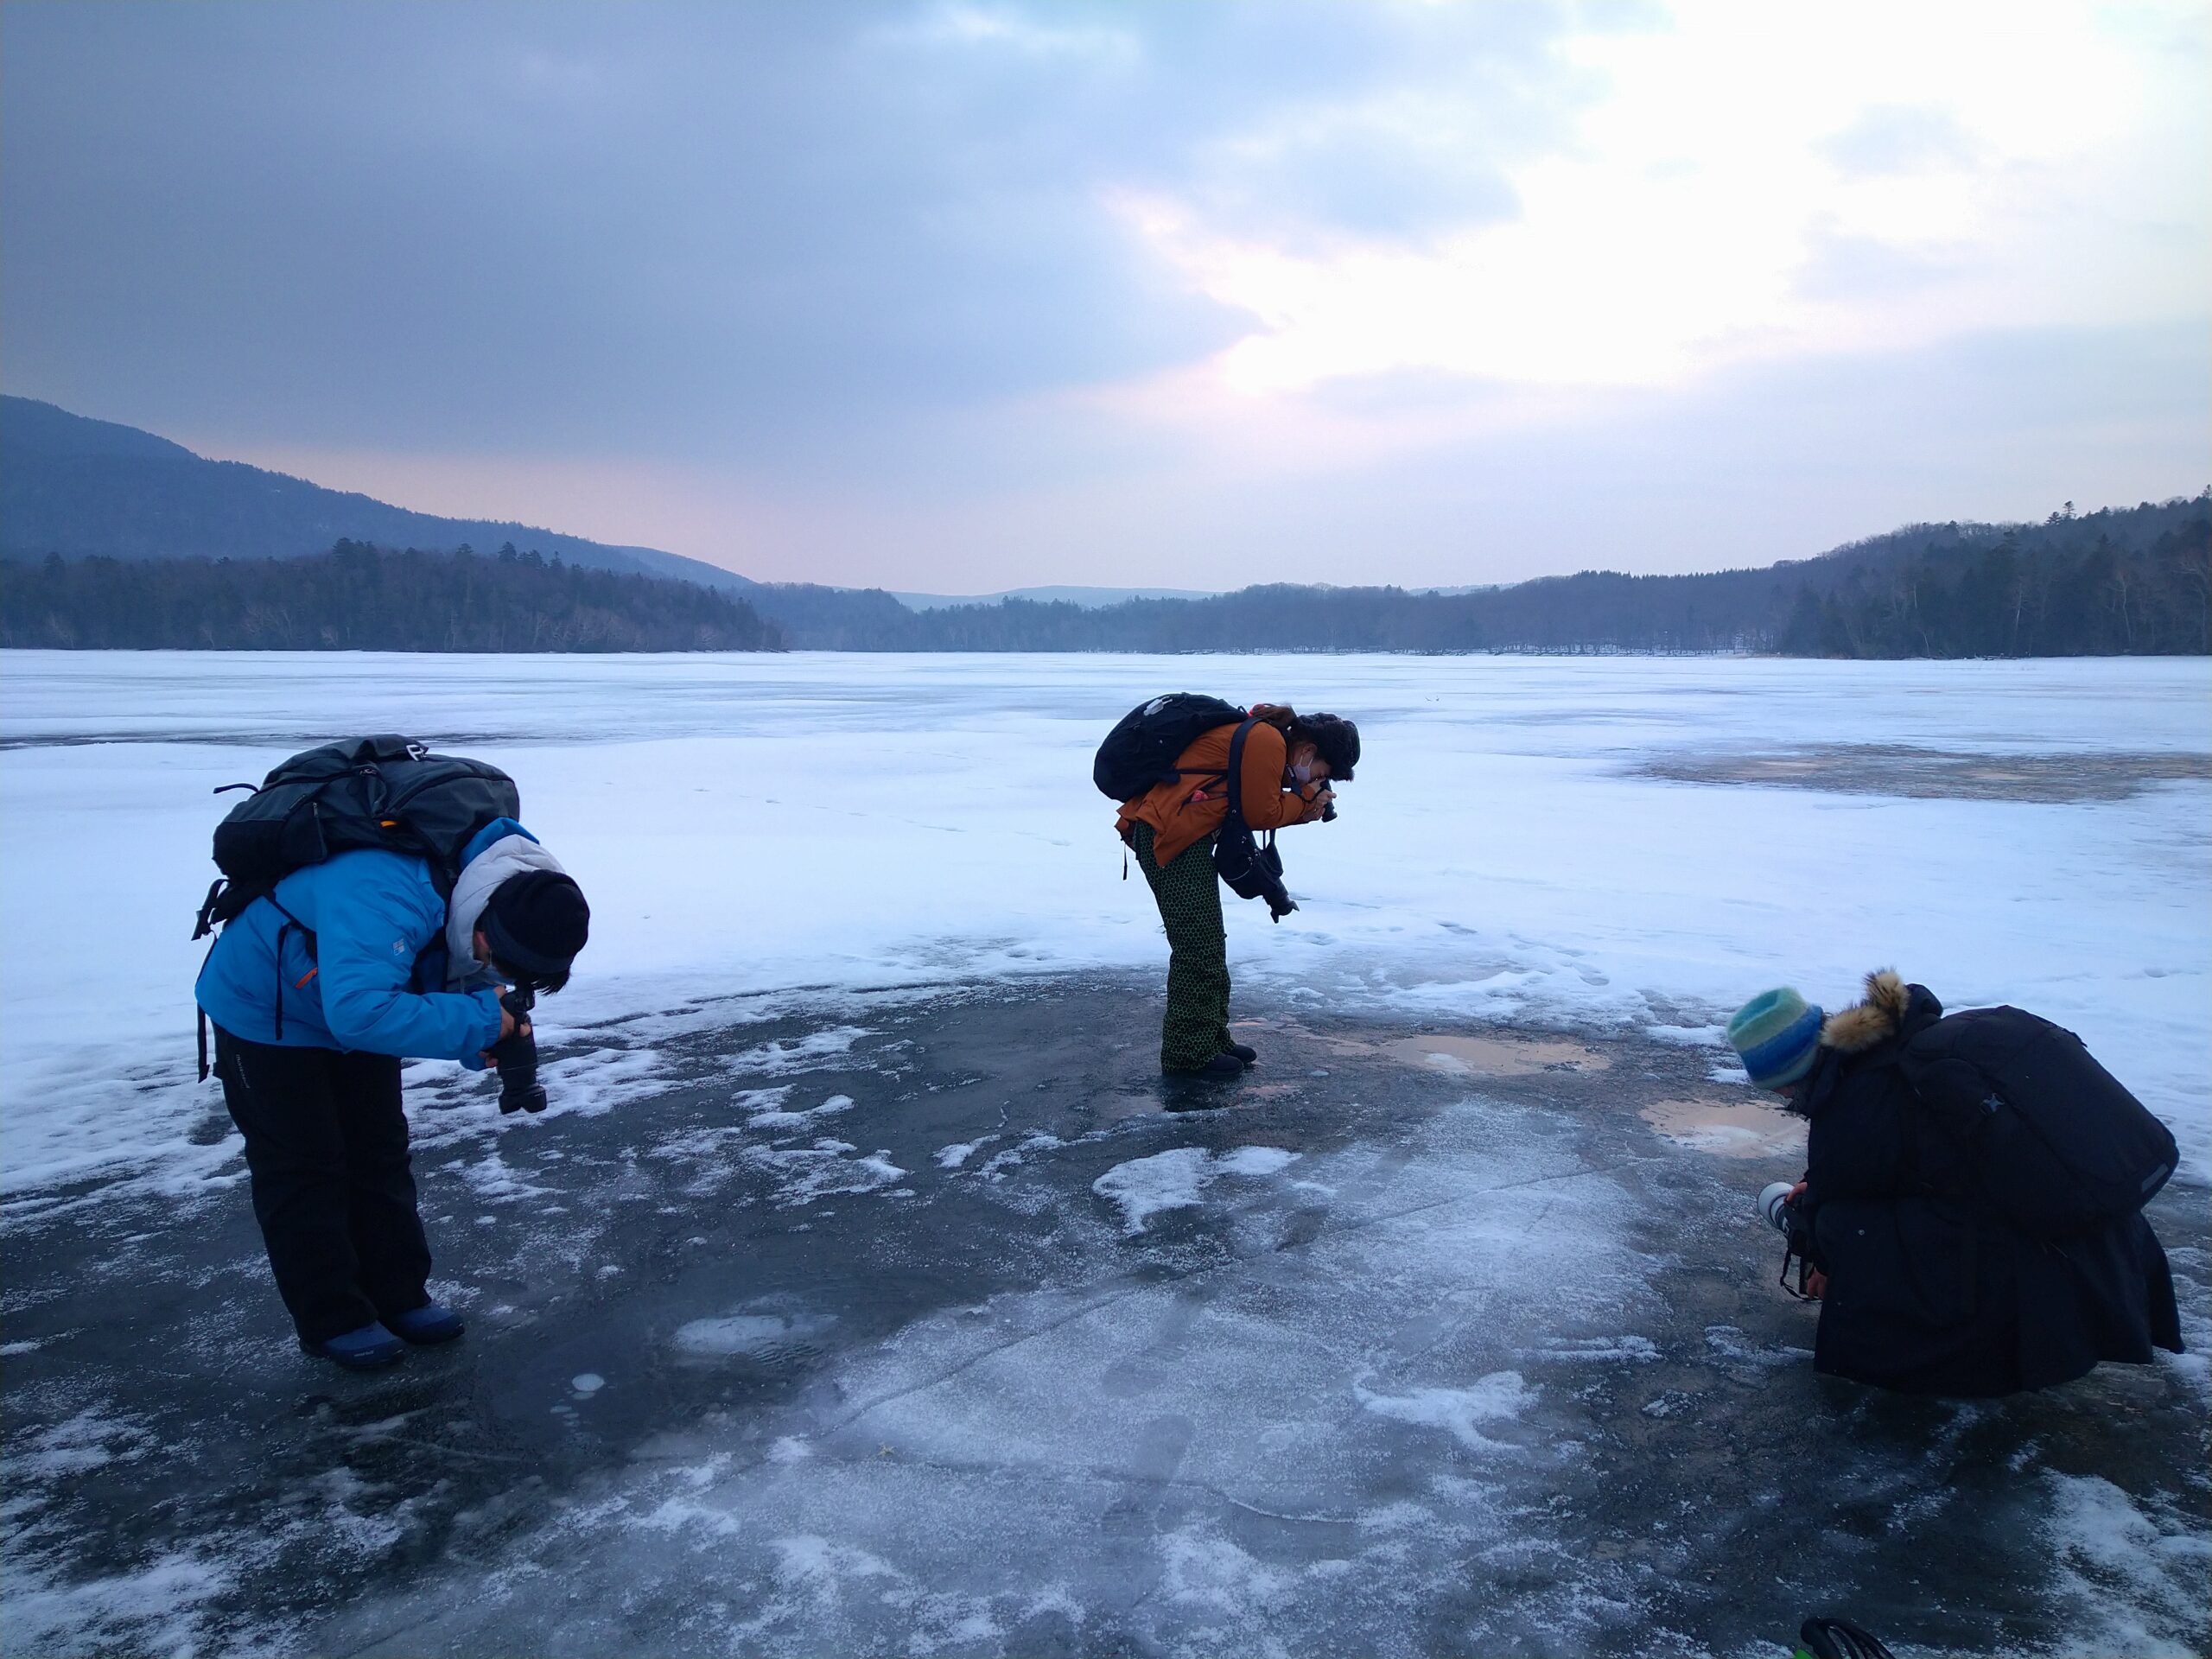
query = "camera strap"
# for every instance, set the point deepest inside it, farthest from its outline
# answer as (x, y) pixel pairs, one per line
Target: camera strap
(1790, 1253)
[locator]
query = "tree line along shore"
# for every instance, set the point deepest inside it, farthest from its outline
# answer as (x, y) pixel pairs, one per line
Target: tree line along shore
(2117, 581)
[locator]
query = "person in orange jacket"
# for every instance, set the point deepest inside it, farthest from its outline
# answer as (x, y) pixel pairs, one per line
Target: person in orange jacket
(1290, 763)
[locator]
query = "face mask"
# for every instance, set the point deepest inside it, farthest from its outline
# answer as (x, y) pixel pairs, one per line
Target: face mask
(1303, 772)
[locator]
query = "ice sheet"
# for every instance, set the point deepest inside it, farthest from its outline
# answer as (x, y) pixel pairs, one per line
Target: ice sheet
(823, 822)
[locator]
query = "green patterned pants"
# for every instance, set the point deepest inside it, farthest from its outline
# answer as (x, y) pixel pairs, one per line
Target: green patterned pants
(1197, 1025)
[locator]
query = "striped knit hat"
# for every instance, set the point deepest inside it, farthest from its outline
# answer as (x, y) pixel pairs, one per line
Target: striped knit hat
(1777, 1033)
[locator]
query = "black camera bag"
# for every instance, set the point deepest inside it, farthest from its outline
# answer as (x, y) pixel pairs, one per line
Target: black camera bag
(2055, 1140)
(1142, 748)
(1253, 868)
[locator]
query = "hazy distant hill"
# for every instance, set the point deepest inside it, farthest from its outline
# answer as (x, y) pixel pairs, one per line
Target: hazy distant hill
(2133, 580)
(1090, 599)
(82, 487)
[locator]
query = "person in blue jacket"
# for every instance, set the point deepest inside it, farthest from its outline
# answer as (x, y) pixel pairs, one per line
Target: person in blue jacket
(316, 994)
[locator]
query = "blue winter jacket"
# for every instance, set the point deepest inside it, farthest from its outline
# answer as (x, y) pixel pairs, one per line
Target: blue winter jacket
(357, 955)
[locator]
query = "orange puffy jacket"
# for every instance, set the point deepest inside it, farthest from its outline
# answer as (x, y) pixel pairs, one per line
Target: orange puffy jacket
(1187, 811)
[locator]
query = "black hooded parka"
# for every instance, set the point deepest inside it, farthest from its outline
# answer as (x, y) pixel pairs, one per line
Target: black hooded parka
(1929, 1290)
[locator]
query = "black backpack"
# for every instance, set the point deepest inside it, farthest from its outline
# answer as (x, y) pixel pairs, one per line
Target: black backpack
(2054, 1140)
(386, 791)
(1142, 750)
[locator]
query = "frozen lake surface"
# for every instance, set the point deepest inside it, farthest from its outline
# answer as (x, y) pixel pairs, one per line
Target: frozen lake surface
(856, 1296)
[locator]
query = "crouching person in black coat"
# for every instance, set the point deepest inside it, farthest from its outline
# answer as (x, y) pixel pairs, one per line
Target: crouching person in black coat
(1972, 1203)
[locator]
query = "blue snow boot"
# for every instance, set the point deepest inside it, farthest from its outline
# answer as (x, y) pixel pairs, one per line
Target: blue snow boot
(369, 1349)
(428, 1323)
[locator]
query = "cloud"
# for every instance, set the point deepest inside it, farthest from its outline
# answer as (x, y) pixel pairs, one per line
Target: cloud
(1022, 291)
(963, 26)
(556, 227)
(1750, 182)
(1892, 139)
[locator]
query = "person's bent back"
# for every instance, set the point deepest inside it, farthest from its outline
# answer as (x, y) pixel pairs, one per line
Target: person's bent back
(1290, 765)
(317, 989)
(1932, 1282)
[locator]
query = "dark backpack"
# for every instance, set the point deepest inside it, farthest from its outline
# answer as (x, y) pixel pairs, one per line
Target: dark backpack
(1142, 750)
(1253, 868)
(2054, 1140)
(386, 791)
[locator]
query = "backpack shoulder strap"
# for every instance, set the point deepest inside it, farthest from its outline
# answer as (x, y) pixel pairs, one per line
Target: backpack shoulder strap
(1235, 752)
(1236, 773)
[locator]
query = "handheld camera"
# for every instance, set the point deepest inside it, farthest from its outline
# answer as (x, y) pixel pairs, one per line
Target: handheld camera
(516, 1053)
(1779, 1211)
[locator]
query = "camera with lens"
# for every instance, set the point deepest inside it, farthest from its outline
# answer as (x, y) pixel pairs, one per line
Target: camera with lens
(1777, 1207)
(516, 1053)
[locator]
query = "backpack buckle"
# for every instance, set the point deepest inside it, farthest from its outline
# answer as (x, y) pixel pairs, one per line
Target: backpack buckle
(205, 923)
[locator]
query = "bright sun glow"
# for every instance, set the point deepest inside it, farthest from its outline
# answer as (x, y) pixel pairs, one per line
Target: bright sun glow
(1760, 179)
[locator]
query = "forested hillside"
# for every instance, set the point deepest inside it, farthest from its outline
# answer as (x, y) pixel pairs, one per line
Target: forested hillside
(2109, 584)
(2133, 580)
(85, 488)
(360, 598)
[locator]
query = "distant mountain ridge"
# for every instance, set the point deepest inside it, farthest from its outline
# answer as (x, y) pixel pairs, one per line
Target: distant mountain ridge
(1090, 599)
(2128, 580)
(86, 488)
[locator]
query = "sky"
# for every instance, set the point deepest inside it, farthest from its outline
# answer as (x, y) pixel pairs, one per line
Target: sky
(959, 297)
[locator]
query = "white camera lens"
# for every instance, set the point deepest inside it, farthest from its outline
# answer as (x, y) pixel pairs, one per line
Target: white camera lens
(1771, 1198)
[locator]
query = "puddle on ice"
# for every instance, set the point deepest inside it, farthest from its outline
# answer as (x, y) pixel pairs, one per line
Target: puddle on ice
(1495, 1057)
(1938, 774)
(1732, 1129)
(764, 1336)
(1447, 1055)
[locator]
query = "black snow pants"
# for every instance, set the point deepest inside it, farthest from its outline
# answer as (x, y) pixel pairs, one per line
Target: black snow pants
(326, 1145)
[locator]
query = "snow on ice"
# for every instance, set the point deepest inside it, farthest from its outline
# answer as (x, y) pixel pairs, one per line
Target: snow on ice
(1173, 1180)
(748, 825)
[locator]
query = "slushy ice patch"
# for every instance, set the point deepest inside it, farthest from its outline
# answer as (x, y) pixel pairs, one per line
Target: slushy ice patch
(806, 1173)
(1501, 1397)
(1174, 1180)
(776, 1119)
(2137, 1574)
(807, 1054)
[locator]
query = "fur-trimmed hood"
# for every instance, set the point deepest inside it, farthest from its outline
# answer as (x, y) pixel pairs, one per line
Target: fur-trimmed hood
(1876, 1019)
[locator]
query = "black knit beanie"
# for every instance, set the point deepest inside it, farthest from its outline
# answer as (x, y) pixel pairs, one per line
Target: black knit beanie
(535, 924)
(1337, 741)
